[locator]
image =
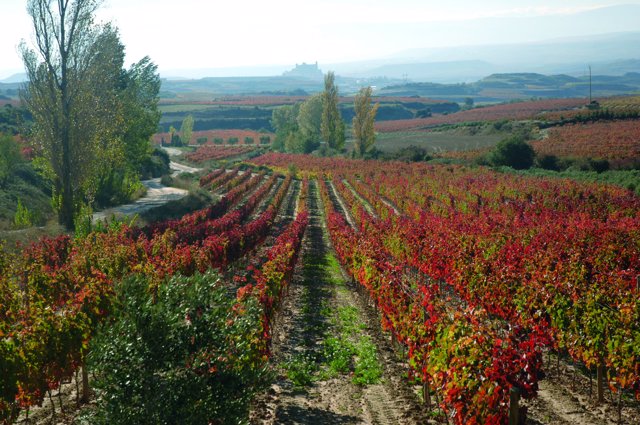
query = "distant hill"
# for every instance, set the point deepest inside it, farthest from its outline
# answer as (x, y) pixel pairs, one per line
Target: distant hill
(431, 71)
(609, 54)
(500, 87)
(15, 78)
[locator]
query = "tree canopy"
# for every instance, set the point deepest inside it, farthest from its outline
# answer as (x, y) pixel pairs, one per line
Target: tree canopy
(92, 119)
(513, 152)
(363, 130)
(332, 127)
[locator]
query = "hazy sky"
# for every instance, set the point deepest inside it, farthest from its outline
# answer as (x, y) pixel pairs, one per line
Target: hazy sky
(179, 34)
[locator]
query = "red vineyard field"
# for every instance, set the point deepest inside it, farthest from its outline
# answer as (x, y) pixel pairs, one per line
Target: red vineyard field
(212, 152)
(56, 292)
(613, 140)
(477, 273)
(510, 111)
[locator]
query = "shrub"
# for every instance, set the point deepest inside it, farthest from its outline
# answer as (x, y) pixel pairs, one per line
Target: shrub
(201, 140)
(23, 217)
(180, 355)
(599, 165)
(218, 141)
(265, 140)
(9, 156)
(548, 162)
(232, 140)
(512, 152)
(248, 140)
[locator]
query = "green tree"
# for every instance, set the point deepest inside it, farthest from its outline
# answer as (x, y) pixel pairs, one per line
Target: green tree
(294, 143)
(9, 156)
(186, 130)
(74, 73)
(513, 152)
(174, 137)
(364, 133)
(138, 119)
(310, 122)
(141, 115)
(285, 121)
(265, 140)
(332, 127)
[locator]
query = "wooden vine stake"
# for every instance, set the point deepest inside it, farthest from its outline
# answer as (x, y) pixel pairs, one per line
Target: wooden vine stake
(426, 393)
(514, 406)
(620, 405)
(600, 381)
(86, 390)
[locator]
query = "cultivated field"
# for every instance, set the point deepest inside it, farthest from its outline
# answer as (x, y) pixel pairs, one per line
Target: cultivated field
(375, 293)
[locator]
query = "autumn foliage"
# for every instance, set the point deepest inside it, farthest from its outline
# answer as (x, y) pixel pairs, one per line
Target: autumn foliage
(477, 272)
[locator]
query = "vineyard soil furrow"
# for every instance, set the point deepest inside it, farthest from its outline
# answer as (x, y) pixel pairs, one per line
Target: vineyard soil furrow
(306, 390)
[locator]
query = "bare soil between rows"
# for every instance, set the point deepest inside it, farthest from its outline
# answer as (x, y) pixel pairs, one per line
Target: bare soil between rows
(306, 319)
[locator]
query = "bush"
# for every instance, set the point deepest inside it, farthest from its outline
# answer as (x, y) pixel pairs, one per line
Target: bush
(599, 165)
(218, 141)
(548, 162)
(176, 140)
(182, 355)
(23, 217)
(410, 153)
(156, 165)
(9, 157)
(513, 152)
(233, 141)
(201, 140)
(265, 140)
(248, 140)
(118, 187)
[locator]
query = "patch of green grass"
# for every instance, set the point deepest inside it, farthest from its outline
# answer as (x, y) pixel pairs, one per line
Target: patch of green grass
(436, 141)
(339, 355)
(350, 320)
(351, 351)
(368, 369)
(301, 369)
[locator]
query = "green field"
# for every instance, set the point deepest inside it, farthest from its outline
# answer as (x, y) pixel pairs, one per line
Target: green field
(437, 141)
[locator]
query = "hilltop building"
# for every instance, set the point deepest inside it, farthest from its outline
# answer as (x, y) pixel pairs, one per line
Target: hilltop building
(304, 70)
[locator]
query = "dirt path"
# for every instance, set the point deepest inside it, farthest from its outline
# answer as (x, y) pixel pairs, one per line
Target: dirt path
(567, 397)
(157, 195)
(324, 341)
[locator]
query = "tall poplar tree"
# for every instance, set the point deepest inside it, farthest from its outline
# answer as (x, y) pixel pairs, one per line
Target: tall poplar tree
(332, 127)
(73, 73)
(92, 118)
(186, 130)
(363, 122)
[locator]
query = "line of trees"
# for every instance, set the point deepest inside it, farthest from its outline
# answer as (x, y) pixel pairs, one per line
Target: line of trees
(317, 124)
(93, 119)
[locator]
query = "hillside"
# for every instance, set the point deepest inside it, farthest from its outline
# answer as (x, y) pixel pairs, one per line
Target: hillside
(500, 87)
